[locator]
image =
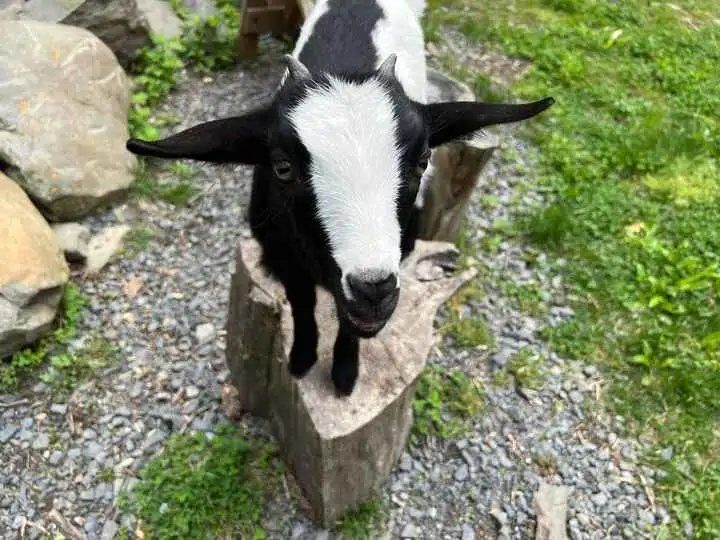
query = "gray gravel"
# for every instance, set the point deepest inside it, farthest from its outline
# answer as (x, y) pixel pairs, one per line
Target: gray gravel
(57, 455)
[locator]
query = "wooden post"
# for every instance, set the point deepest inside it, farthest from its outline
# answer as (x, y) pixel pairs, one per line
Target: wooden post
(263, 16)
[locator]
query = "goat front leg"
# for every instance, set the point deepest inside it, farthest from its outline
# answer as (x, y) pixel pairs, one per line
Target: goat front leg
(303, 355)
(345, 359)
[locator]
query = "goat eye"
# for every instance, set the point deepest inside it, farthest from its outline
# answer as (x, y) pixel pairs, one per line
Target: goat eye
(283, 170)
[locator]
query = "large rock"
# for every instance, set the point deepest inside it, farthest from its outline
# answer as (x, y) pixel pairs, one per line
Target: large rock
(63, 117)
(119, 23)
(33, 271)
(160, 17)
(340, 449)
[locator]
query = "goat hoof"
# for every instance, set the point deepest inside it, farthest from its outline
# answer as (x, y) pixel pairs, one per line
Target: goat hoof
(300, 363)
(344, 380)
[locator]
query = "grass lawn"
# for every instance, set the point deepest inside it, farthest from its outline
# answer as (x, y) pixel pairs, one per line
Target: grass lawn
(631, 155)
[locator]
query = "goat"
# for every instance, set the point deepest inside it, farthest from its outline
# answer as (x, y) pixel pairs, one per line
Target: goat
(339, 155)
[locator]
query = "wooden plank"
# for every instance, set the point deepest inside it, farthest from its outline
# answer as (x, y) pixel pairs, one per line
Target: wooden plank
(258, 20)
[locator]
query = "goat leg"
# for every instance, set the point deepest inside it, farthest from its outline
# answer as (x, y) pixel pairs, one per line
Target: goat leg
(303, 355)
(345, 360)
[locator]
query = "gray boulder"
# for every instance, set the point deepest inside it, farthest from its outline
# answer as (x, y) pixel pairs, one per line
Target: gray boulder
(63, 117)
(32, 274)
(119, 23)
(160, 18)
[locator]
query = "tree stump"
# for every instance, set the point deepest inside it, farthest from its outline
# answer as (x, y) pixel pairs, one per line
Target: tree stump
(341, 449)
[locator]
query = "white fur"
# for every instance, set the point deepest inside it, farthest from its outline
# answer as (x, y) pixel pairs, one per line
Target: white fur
(399, 32)
(349, 130)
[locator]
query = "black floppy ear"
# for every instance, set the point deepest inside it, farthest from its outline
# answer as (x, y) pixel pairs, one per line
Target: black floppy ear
(448, 121)
(240, 139)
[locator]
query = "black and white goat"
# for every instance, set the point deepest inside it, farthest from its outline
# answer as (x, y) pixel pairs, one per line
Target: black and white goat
(339, 154)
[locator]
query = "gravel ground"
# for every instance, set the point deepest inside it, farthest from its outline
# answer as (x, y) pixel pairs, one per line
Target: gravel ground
(56, 455)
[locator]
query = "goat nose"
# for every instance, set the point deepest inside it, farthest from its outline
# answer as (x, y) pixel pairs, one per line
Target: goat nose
(371, 287)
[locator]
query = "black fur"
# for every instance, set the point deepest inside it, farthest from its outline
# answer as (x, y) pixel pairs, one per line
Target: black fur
(283, 209)
(341, 40)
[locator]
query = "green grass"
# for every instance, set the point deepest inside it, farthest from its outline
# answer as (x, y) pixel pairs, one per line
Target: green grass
(363, 523)
(527, 369)
(629, 153)
(202, 487)
(49, 351)
(445, 402)
(179, 191)
(138, 240)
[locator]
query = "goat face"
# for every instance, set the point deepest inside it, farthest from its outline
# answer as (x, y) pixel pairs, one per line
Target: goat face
(345, 155)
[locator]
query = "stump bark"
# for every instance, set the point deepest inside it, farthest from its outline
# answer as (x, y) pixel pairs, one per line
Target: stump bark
(340, 449)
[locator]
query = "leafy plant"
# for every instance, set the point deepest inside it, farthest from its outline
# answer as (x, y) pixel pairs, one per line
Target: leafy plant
(445, 402)
(202, 487)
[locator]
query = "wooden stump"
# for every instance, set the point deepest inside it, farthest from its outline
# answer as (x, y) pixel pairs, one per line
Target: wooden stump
(341, 450)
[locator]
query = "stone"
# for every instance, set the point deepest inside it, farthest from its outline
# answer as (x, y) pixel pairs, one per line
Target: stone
(33, 271)
(103, 246)
(160, 18)
(63, 118)
(109, 530)
(205, 333)
(409, 531)
(73, 239)
(203, 8)
(327, 439)
(468, 533)
(551, 509)
(41, 442)
(58, 408)
(120, 24)
(461, 473)
(7, 433)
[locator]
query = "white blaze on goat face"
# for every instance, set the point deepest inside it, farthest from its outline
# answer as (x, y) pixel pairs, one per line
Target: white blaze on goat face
(350, 131)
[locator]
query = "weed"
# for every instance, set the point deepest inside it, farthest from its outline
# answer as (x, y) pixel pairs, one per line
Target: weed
(527, 297)
(363, 523)
(629, 155)
(546, 464)
(526, 367)
(466, 331)
(444, 402)
(106, 475)
(178, 192)
(66, 370)
(138, 240)
(28, 361)
(202, 487)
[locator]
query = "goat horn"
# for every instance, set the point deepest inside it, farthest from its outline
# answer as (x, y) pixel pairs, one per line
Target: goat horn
(296, 68)
(387, 68)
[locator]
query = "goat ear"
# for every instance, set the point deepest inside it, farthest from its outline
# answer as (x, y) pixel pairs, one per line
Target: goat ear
(240, 139)
(387, 68)
(452, 120)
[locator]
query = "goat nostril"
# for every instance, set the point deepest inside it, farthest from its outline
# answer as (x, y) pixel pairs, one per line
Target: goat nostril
(372, 287)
